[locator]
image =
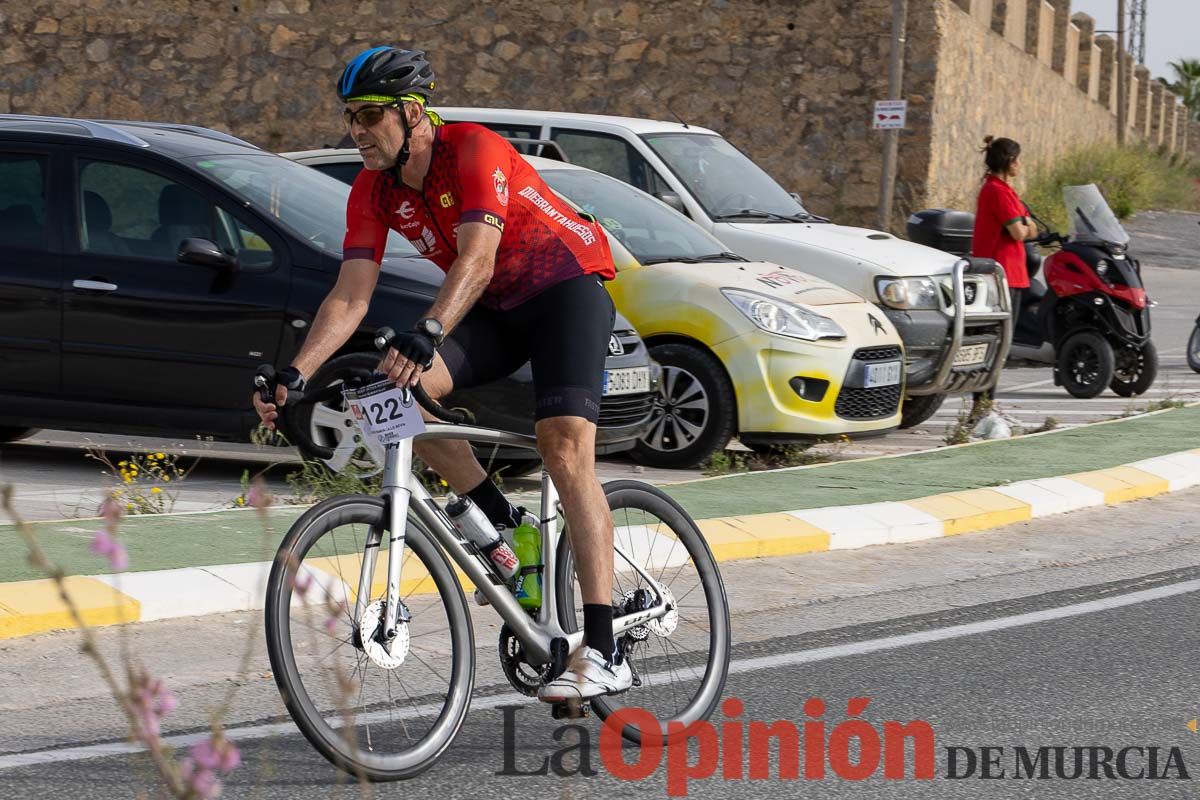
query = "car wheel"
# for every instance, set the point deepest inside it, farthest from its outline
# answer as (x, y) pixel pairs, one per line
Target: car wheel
(329, 423)
(1193, 350)
(916, 410)
(1085, 364)
(1135, 370)
(8, 434)
(694, 413)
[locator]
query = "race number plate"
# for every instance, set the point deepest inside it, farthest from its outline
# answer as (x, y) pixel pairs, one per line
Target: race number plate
(626, 381)
(385, 413)
(970, 355)
(885, 374)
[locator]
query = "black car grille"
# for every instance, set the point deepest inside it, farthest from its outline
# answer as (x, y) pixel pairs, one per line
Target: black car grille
(874, 403)
(629, 340)
(877, 353)
(627, 409)
(881, 401)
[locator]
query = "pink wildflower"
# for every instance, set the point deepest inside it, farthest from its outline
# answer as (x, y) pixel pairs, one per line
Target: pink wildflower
(302, 582)
(106, 544)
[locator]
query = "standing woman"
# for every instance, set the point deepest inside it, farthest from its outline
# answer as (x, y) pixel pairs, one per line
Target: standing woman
(1002, 222)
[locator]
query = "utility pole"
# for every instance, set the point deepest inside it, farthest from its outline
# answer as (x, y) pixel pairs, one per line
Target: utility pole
(1122, 78)
(1137, 30)
(891, 138)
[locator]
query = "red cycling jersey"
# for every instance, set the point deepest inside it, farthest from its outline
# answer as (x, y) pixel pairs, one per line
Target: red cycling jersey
(476, 176)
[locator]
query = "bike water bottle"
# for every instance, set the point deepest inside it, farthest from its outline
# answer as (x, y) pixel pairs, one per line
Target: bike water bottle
(529, 550)
(475, 527)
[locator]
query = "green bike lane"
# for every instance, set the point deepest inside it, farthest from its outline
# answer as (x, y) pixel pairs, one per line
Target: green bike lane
(243, 536)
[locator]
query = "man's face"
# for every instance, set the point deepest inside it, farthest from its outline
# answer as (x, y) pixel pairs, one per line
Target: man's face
(378, 143)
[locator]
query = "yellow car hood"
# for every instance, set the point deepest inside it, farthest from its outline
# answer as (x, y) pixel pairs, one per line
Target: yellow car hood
(762, 277)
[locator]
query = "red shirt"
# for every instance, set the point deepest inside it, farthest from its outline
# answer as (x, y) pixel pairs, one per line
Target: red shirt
(999, 205)
(476, 176)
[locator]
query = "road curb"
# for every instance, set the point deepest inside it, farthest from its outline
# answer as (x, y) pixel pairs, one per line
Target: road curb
(29, 607)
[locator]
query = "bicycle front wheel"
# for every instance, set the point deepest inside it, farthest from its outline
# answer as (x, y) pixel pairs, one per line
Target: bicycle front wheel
(680, 661)
(369, 715)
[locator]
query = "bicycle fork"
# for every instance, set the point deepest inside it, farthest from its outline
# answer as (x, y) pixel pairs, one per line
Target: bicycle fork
(396, 495)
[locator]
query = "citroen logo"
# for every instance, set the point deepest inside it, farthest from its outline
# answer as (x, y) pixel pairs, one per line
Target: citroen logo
(877, 325)
(615, 348)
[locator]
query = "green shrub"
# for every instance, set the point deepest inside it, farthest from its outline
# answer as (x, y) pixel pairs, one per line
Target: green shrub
(1132, 179)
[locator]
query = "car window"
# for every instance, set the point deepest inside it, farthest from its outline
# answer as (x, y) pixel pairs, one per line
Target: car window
(238, 239)
(129, 211)
(22, 201)
(513, 131)
(611, 155)
(345, 172)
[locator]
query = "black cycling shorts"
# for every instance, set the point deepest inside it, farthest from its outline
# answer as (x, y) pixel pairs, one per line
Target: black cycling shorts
(563, 331)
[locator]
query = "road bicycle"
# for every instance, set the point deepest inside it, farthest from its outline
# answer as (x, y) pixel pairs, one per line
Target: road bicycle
(372, 642)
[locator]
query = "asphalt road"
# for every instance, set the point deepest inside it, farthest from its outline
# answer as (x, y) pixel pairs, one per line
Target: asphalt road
(1077, 631)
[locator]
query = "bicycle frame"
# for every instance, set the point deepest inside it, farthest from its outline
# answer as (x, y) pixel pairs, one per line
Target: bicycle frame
(402, 491)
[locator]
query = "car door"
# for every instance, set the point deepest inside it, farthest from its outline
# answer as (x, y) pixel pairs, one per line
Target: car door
(30, 273)
(141, 327)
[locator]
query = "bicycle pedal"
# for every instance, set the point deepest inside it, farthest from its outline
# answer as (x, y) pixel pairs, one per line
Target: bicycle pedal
(481, 598)
(571, 709)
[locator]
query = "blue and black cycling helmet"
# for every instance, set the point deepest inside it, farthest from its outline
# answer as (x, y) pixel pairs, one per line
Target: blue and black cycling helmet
(386, 72)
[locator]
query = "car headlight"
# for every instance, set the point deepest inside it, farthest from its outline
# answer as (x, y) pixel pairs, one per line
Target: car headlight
(907, 293)
(783, 318)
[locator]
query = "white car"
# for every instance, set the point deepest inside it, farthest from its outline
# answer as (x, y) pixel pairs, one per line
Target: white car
(952, 315)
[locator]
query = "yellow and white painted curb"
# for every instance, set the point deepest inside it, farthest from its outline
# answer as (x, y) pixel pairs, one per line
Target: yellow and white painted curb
(29, 607)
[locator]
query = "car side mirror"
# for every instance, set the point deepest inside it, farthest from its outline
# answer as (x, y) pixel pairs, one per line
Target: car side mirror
(796, 196)
(674, 201)
(205, 253)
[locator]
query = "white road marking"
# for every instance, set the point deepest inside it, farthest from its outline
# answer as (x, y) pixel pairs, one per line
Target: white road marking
(64, 754)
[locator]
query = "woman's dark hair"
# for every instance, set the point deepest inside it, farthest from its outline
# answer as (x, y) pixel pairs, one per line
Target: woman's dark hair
(999, 154)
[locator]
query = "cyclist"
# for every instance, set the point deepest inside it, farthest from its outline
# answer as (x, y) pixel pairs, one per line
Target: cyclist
(524, 281)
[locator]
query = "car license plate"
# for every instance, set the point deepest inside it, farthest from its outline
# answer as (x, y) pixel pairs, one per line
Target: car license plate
(970, 355)
(885, 374)
(626, 381)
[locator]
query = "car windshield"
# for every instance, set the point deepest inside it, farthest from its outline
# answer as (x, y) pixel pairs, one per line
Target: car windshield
(306, 202)
(1091, 219)
(650, 229)
(727, 183)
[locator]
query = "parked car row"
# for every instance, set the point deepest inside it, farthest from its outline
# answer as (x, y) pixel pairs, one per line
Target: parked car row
(149, 267)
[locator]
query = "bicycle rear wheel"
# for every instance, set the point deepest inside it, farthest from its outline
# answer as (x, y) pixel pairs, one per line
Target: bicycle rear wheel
(681, 661)
(376, 720)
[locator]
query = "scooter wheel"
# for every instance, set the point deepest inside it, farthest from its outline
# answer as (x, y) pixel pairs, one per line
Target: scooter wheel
(1085, 364)
(1193, 351)
(1136, 369)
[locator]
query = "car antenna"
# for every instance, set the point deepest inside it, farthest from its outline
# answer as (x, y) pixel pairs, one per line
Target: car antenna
(654, 97)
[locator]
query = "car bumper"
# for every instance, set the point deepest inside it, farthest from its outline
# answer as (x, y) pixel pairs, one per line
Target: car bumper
(804, 390)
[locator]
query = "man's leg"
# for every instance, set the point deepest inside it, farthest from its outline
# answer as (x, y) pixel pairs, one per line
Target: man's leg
(568, 447)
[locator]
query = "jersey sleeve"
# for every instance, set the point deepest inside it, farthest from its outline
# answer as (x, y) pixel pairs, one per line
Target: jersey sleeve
(366, 231)
(485, 167)
(1009, 207)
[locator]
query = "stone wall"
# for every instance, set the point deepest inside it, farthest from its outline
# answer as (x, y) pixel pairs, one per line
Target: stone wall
(987, 86)
(791, 82)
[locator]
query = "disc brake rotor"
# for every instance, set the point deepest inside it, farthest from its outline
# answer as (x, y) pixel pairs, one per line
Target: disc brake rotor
(388, 655)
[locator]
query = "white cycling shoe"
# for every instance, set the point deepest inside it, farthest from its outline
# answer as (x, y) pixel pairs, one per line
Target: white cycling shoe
(589, 674)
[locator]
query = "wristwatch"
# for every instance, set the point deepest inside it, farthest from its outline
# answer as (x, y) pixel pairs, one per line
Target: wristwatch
(433, 329)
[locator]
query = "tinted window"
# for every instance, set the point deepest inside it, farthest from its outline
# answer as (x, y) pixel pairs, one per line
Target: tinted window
(344, 172)
(22, 201)
(720, 176)
(129, 211)
(235, 237)
(610, 155)
(649, 228)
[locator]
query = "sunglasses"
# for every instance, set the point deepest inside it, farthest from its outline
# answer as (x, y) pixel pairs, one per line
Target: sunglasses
(367, 116)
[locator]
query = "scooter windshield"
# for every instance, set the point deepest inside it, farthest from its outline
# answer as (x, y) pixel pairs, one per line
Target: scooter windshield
(1091, 219)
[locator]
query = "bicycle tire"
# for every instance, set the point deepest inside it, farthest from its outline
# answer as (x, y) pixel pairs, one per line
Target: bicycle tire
(629, 494)
(348, 756)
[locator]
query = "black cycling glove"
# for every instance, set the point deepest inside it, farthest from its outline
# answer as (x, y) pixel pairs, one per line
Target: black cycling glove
(415, 346)
(290, 378)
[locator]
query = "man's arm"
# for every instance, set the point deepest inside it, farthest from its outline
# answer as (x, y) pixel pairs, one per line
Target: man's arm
(337, 319)
(468, 276)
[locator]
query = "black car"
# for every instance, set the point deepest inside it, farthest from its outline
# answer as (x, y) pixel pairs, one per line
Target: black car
(109, 321)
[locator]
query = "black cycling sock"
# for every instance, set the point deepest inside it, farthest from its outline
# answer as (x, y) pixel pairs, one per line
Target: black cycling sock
(494, 505)
(598, 628)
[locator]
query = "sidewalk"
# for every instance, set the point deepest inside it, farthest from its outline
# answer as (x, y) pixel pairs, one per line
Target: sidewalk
(191, 564)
